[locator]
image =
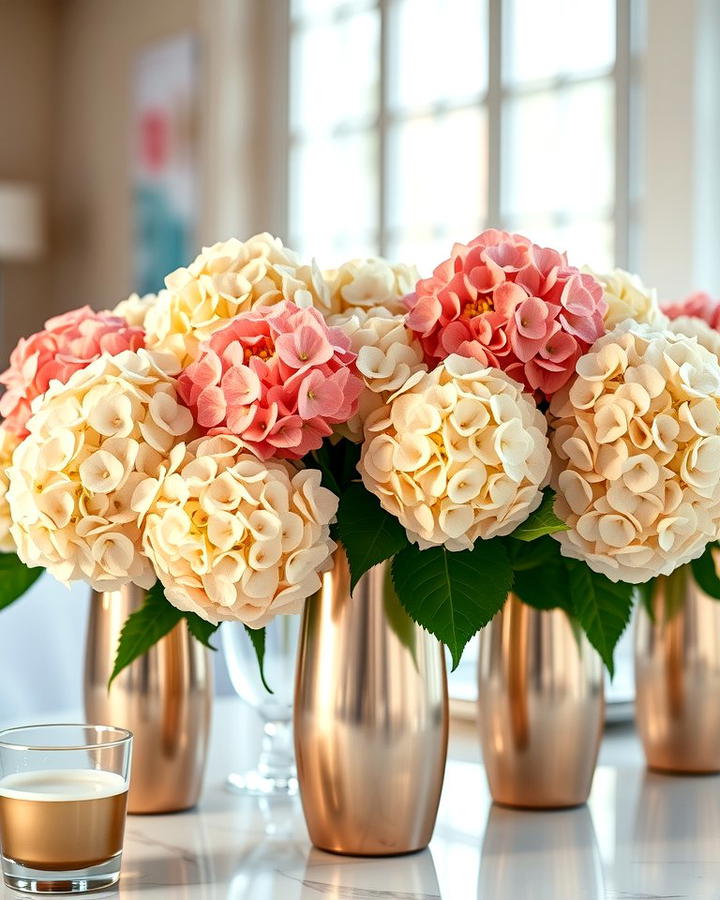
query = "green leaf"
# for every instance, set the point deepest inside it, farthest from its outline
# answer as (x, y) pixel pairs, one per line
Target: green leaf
(200, 629)
(644, 594)
(15, 578)
(453, 595)
(533, 554)
(705, 572)
(544, 586)
(602, 607)
(320, 459)
(541, 522)
(369, 534)
(398, 619)
(257, 636)
(144, 628)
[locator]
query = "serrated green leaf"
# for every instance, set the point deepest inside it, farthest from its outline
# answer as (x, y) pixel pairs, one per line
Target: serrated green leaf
(368, 533)
(257, 637)
(144, 628)
(453, 595)
(15, 578)
(705, 572)
(602, 607)
(200, 629)
(541, 522)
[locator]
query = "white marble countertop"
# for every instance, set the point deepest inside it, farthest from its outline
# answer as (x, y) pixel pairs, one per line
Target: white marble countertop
(641, 836)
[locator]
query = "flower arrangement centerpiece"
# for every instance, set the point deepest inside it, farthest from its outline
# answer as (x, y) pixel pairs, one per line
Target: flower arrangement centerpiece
(511, 422)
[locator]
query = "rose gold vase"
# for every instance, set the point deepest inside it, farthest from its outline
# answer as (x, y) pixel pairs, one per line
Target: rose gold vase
(371, 719)
(677, 676)
(164, 698)
(540, 708)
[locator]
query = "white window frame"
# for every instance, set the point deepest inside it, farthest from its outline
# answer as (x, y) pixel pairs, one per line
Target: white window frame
(625, 75)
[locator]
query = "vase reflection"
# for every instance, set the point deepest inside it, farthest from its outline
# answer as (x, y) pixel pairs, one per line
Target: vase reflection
(676, 824)
(555, 852)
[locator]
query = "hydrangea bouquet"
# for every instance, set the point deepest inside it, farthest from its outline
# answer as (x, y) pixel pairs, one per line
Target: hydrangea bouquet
(509, 423)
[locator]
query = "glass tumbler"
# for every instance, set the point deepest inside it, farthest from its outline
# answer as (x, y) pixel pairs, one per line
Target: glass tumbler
(275, 773)
(63, 798)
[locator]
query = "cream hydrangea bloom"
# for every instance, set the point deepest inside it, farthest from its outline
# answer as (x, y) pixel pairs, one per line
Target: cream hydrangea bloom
(8, 442)
(637, 446)
(135, 309)
(460, 453)
(388, 353)
(627, 298)
(370, 282)
(693, 327)
(225, 280)
(235, 538)
(92, 443)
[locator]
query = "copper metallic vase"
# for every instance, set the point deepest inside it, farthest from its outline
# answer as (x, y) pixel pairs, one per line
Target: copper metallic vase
(540, 708)
(164, 698)
(371, 719)
(677, 676)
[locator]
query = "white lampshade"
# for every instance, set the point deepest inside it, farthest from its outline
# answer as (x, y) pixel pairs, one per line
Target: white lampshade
(21, 228)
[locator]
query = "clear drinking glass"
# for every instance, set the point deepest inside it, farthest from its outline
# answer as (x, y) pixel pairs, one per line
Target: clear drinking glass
(63, 798)
(275, 773)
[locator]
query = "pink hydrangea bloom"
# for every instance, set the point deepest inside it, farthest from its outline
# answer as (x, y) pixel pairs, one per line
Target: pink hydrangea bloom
(277, 377)
(512, 305)
(67, 343)
(698, 305)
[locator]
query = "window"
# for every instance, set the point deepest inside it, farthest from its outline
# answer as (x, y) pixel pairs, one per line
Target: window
(415, 123)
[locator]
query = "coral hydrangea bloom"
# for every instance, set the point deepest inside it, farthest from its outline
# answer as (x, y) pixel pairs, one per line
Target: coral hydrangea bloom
(67, 343)
(225, 280)
(512, 305)
(277, 377)
(697, 306)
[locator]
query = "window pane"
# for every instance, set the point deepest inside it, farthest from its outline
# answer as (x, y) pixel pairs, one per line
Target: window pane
(438, 51)
(333, 200)
(558, 151)
(438, 171)
(426, 247)
(335, 73)
(312, 8)
(557, 37)
(586, 242)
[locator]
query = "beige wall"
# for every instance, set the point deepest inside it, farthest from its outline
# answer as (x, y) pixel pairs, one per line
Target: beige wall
(97, 42)
(27, 44)
(66, 69)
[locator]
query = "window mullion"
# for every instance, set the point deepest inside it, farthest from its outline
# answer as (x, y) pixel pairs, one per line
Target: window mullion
(494, 112)
(623, 65)
(382, 129)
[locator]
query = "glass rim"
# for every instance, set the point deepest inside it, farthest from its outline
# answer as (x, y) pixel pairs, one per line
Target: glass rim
(124, 736)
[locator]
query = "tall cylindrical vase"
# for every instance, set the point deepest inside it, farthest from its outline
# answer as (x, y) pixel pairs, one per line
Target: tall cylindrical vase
(164, 698)
(371, 718)
(677, 676)
(540, 708)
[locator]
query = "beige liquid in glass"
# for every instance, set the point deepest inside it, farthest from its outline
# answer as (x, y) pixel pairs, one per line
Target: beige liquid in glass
(62, 819)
